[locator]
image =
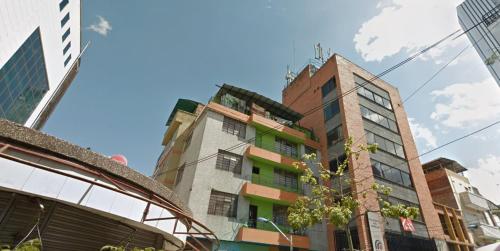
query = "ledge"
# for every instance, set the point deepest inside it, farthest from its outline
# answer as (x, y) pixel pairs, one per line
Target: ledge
(271, 238)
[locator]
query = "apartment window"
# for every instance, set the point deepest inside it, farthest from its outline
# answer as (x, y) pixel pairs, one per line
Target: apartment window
(309, 150)
(66, 34)
(286, 147)
(255, 170)
(234, 127)
(379, 119)
(180, 173)
(229, 162)
(63, 4)
(334, 163)
(285, 179)
(66, 48)
(224, 204)
(66, 62)
(385, 144)
(65, 20)
(391, 174)
(331, 110)
(328, 87)
(334, 135)
(394, 200)
(374, 97)
(280, 215)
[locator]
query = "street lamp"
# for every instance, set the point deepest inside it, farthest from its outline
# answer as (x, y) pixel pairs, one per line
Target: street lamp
(264, 220)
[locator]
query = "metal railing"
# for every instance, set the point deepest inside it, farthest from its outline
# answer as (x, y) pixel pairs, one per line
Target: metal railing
(268, 227)
(270, 182)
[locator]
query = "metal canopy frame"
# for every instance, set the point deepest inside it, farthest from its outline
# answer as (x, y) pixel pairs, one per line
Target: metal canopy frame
(193, 226)
(274, 107)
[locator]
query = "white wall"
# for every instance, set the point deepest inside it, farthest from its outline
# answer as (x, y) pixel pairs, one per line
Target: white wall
(18, 20)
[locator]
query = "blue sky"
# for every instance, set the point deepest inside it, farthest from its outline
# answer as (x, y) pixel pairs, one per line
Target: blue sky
(144, 55)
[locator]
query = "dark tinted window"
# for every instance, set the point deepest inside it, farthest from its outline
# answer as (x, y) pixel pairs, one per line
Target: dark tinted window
(334, 163)
(66, 34)
(328, 87)
(66, 48)
(63, 4)
(67, 60)
(65, 20)
(331, 110)
(334, 135)
(23, 80)
(391, 174)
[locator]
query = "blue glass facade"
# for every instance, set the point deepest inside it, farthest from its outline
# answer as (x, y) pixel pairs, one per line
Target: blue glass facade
(23, 80)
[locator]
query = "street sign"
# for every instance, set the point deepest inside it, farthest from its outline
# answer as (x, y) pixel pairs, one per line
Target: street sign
(376, 231)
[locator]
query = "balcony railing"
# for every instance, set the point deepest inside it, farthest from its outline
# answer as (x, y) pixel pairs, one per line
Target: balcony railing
(274, 149)
(269, 227)
(487, 232)
(474, 201)
(270, 182)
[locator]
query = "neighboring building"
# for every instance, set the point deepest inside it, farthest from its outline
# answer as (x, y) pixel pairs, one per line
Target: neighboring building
(228, 187)
(481, 17)
(450, 189)
(39, 57)
(80, 200)
(374, 114)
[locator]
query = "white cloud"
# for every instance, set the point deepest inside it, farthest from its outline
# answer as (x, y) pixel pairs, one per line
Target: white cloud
(486, 177)
(102, 27)
(420, 132)
(467, 104)
(407, 26)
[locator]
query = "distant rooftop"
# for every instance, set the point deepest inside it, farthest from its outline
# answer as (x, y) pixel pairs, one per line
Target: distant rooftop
(443, 163)
(184, 105)
(272, 106)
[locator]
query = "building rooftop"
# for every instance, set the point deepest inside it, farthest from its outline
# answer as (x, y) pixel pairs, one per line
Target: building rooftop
(15, 133)
(272, 106)
(442, 162)
(186, 105)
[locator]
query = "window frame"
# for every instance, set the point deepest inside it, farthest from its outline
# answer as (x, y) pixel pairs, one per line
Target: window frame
(222, 204)
(226, 162)
(234, 127)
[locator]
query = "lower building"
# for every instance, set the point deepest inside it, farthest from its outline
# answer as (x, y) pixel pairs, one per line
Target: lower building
(467, 217)
(74, 199)
(231, 161)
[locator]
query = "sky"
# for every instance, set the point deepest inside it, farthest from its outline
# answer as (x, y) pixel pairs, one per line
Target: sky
(144, 55)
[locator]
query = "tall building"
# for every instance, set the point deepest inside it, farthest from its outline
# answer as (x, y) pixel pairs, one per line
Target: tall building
(454, 195)
(372, 113)
(481, 17)
(229, 188)
(74, 199)
(39, 57)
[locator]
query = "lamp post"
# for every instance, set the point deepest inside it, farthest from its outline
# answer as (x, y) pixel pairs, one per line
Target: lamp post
(264, 220)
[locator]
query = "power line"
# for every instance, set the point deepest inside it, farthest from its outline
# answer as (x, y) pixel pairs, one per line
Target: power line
(314, 109)
(341, 96)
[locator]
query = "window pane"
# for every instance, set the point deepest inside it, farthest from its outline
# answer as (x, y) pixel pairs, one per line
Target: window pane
(377, 169)
(399, 150)
(370, 138)
(390, 146)
(393, 174)
(378, 99)
(406, 179)
(381, 142)
(392, 125)
(387, 103)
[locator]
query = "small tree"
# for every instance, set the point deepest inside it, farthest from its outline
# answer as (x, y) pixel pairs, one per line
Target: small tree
(335, 203)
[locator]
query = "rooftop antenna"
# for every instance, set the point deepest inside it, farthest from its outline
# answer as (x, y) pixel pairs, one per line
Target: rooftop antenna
(289, 75)
(329, 53)
(318, 52)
